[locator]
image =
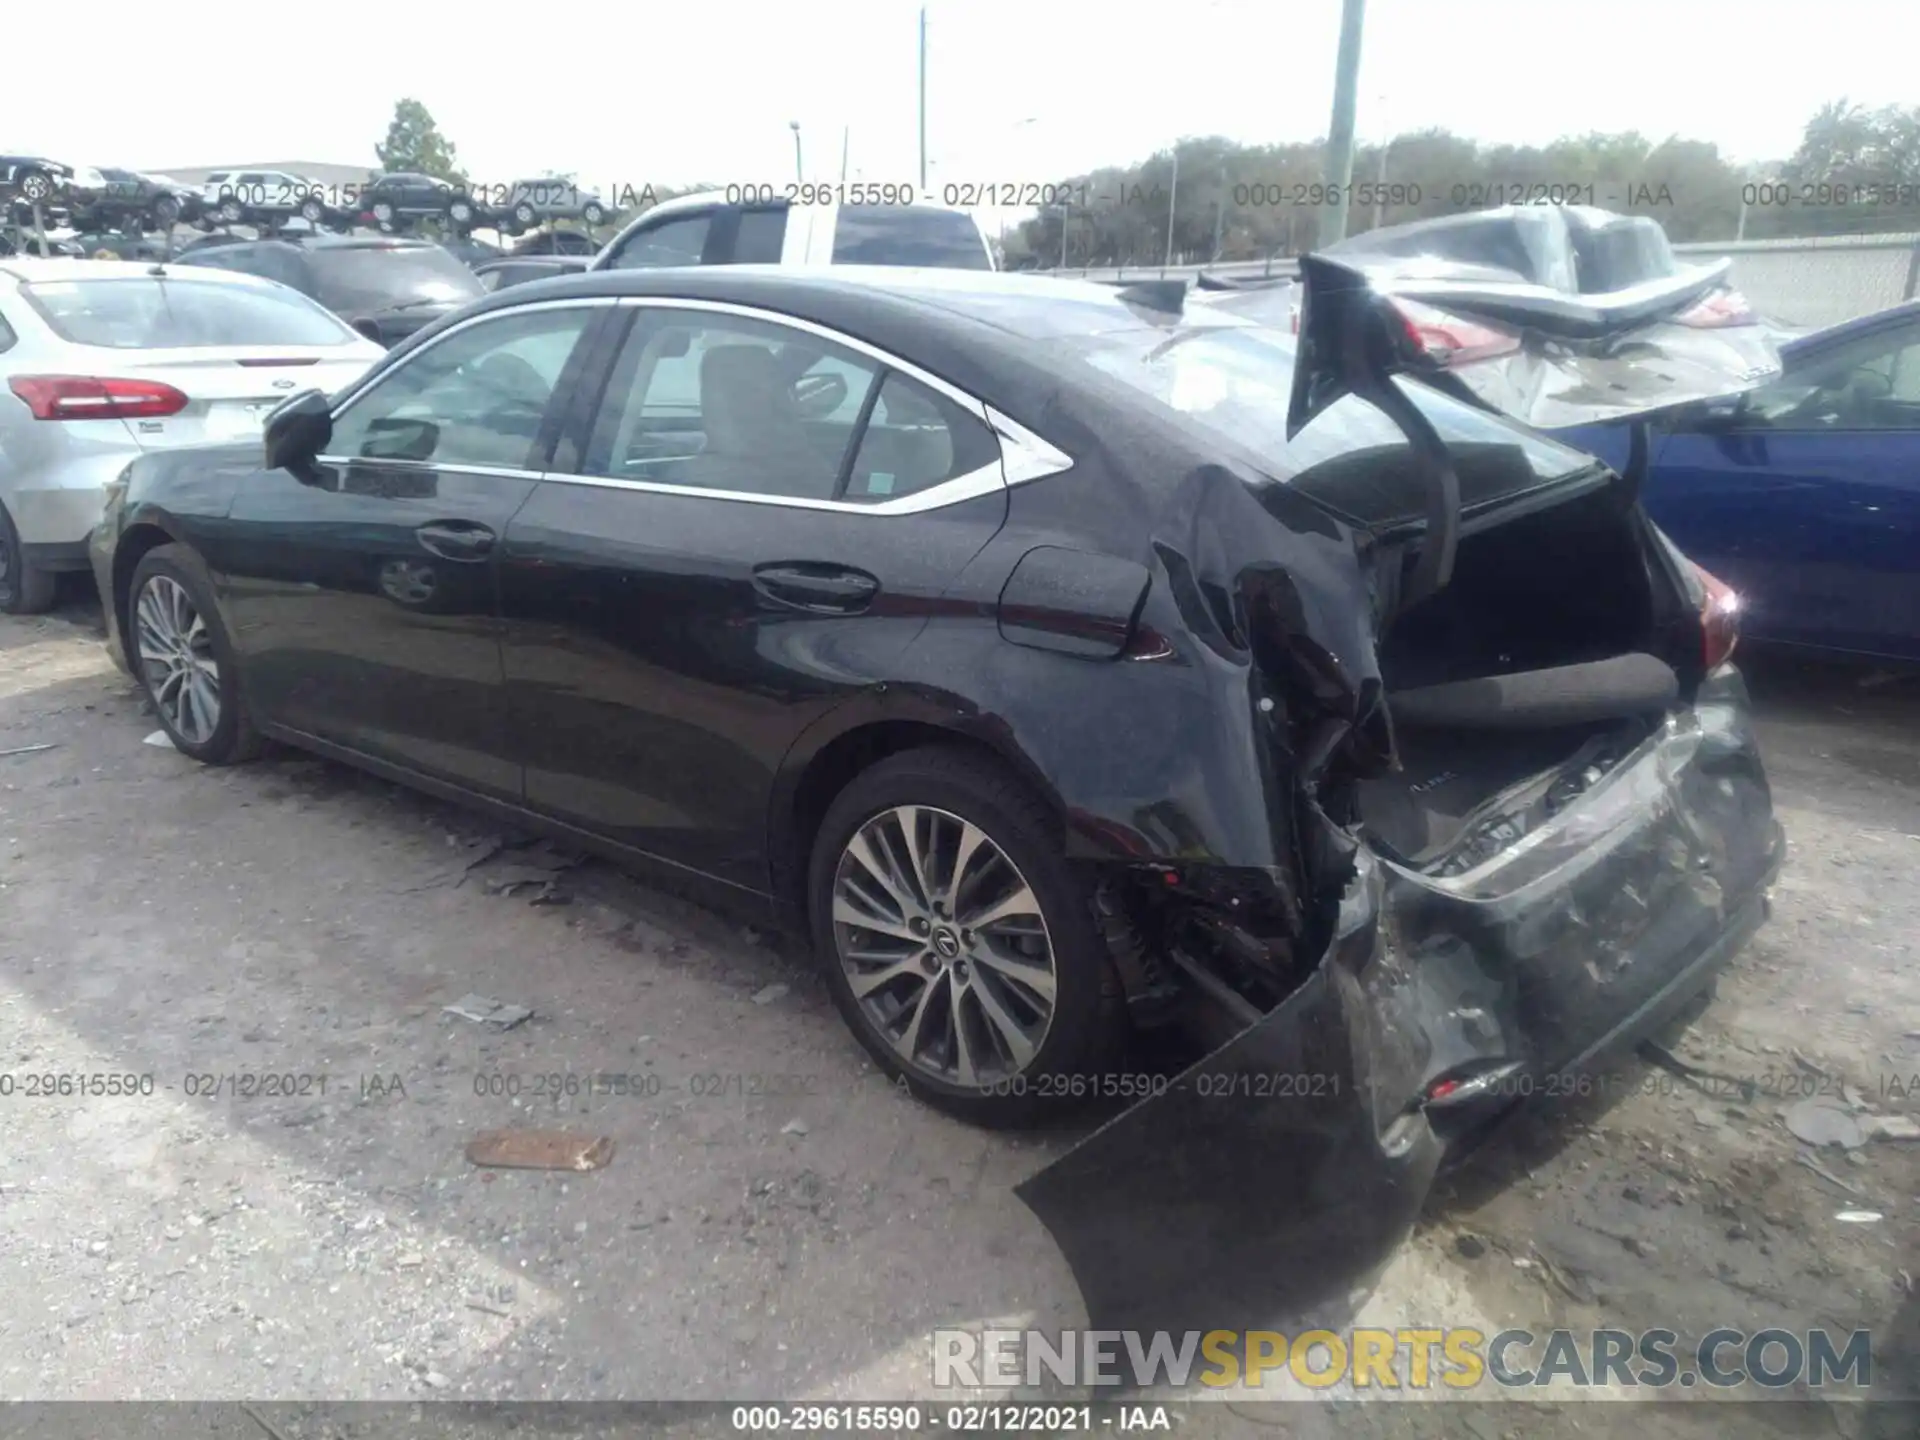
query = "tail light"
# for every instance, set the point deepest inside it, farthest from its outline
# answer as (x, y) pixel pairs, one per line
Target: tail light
(1719, 618)
(88, 397)
(1720, 309)
(1449, 340)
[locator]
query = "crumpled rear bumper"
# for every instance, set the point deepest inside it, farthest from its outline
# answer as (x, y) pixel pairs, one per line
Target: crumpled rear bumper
(1287, 1166)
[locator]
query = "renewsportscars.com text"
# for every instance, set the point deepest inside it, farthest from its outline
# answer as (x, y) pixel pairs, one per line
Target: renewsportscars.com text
(1455, 1358)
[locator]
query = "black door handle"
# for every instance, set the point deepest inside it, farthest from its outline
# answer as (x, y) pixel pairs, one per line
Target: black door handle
(456, 539)
(824, 589)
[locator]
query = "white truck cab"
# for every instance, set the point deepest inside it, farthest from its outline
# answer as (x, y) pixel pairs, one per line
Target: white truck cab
(718, 228)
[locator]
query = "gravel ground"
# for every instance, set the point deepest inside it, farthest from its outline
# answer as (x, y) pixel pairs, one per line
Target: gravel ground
(776, 1220)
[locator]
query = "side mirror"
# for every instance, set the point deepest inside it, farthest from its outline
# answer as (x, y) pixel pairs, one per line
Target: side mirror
(298, 430)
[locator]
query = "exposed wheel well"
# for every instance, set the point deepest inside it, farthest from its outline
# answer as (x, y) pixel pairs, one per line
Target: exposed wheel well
(133, 548)
(835, 767)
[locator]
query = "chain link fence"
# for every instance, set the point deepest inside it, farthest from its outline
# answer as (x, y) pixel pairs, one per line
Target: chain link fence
(1812, 283)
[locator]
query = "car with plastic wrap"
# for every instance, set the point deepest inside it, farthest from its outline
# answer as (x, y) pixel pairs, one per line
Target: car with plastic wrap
(1086, 671)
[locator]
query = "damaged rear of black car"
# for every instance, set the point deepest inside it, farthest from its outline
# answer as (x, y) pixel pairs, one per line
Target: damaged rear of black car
(1458, 793)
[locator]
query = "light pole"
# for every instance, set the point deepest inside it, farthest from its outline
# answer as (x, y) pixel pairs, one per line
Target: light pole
(1380, 170)
(1346, 75)
(799, 168)
(923, 100)
(1173, 199)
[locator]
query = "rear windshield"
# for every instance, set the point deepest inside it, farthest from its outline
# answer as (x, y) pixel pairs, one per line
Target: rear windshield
(143, 312)
(1237, 381)
(908, 235)
(373, 277)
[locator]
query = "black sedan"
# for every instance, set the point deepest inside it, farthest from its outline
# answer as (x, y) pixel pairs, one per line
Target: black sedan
(1001, 635)
(384, 287)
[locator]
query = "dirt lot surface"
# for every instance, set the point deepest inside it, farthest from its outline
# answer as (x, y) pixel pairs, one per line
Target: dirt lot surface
(775, 1220)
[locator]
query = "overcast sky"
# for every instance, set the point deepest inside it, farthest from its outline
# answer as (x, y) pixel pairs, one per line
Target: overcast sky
(681, 92)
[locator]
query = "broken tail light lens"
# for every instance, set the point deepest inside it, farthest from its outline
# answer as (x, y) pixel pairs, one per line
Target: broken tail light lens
(89, 397)
(1449, 341)
(1719, 619)
(1720, 309)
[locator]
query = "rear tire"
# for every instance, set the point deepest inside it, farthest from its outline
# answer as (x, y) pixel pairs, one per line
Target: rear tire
(182, 653)
(24, 589)
(964, 1001)
(593, 214)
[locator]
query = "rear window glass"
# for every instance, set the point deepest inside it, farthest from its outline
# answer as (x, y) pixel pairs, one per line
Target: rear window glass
(908, 235)
(1237, 382)
(143, 313)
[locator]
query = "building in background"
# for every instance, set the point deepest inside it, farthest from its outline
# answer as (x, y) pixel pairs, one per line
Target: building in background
(320, 174)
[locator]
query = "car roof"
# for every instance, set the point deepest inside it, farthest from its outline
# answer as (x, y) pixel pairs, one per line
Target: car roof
(1905, 311)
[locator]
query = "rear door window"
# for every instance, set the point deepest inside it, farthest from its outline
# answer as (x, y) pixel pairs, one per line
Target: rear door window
(916, 439)
(908, 235)
(760, 236)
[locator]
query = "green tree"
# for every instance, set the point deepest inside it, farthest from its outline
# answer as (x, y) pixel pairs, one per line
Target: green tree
(414, 144)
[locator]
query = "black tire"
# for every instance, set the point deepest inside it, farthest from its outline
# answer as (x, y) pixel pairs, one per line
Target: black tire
(24, 589)
(36, 187)
(523, 214)
(460, 212)
(593, 214)
(1087, 1031)
(166, 211)
(233, 740)
(313, 212)
(232, 212)
(384, 212)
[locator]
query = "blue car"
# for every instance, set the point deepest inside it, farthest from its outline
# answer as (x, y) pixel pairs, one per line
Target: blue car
(1804, 494)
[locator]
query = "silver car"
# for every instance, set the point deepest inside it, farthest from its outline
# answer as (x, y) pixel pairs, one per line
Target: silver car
(101, 361)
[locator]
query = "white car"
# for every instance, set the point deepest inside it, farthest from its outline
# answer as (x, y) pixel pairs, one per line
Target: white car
(733, 228)
(103, 360)
(232, 197)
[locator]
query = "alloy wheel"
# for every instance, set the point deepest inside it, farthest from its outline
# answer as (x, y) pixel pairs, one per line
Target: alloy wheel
(176, 659)
(943, 944)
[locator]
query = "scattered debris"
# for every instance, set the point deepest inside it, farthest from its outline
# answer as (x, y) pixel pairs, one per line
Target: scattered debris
(1859, 1217)
(551, 893)
(411, 1261)
(435, 1380)
(161, 739)
(1827, 1175)
(1820, 1122)
(1656, 1054)
(1469, 1247)
(36, 749)
(1891, 1127)
(539, 1150)
(794, 1127)
(766, 995)
(475, 1302)
(509, 878)
(484, 1011)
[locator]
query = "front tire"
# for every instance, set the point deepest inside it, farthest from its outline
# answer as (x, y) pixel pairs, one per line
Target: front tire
(184, 658)
(593, 214)
(24, 589)
(960, 945)
(36, 187)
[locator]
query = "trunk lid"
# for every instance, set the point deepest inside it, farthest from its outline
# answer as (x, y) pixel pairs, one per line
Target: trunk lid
(229, 391)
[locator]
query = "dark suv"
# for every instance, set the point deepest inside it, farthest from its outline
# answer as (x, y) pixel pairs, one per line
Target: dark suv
(404, 198)
(129, 198)
(385, 288)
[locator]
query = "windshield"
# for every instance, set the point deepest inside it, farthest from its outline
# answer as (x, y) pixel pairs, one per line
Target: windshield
(147, 313)
(378, 277)
(1236, 382)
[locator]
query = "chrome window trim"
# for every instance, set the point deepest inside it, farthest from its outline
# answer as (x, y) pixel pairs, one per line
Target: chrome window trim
(987, 480)
(1024, 455)
(431, 466)
(379, 373)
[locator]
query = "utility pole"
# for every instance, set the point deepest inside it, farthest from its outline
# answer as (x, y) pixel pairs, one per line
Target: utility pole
(1380, 186)
(1346, 76)
(846, 136)
(1219, 214)
(799, 167)
(1173, 198)
(1065, 215)
(923, 100)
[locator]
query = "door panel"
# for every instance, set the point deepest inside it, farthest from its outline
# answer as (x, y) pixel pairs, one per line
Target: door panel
(666, 641)
(364, 599)
(1810, 503)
